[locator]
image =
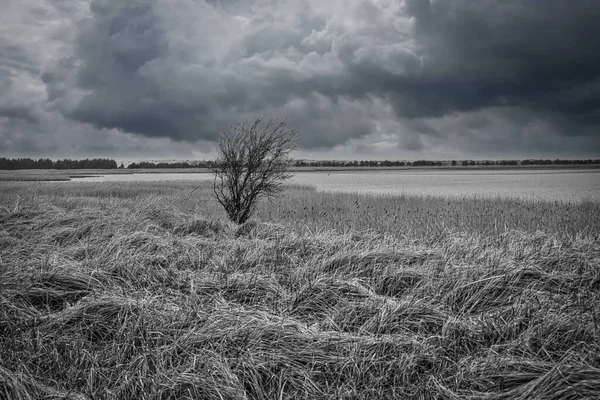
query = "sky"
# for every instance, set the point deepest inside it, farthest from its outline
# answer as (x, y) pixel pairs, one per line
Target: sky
(357, 79)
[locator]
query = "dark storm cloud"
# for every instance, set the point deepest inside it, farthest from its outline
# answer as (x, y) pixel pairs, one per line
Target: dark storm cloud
(130, 71)
(19, 111)
(111, 47)
(415, 73)
(14, 58)
(486, 53)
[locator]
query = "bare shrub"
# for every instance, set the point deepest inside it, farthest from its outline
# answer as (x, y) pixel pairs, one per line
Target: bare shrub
(252, 162)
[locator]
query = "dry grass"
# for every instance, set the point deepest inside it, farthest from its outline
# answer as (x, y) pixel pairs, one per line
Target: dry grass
(119, 291)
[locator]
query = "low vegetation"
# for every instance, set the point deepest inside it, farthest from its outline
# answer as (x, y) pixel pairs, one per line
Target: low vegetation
(46, 163)
(97, 163)
(121, 291)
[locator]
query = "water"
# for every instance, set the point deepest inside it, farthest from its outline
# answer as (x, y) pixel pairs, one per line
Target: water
(565, 185)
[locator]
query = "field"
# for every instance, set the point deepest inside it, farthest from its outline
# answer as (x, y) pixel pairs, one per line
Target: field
(43, 175)
(29, 175)
(145, 291)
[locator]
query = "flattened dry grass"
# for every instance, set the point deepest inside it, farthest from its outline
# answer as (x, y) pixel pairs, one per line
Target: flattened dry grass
(146, 291)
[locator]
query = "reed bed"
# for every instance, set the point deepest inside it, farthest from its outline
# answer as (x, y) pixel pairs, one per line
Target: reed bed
(120, 291)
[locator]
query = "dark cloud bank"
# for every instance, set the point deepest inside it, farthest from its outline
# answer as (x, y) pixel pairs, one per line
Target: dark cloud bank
(418, 78)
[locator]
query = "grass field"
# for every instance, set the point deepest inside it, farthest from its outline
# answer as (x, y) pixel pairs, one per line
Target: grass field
(29, 175)
(45, 175)
(145, 291)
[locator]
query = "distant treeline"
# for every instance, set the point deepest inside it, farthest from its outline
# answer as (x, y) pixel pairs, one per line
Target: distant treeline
(371, 163)
(177, 164)
(105, 163)
(427, 163)
(46, 163)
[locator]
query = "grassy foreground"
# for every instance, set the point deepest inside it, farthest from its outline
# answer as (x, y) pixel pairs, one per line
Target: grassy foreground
(145, 291)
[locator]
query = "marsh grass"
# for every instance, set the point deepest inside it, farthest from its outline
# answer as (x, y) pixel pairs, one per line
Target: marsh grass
(46, 175)
(119, 291)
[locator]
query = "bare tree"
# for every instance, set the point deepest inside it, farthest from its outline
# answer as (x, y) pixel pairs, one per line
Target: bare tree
(252, 162)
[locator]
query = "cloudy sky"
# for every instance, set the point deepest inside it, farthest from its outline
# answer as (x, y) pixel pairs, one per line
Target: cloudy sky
(358, 79)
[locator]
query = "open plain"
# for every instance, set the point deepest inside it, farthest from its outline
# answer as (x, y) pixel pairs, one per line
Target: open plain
(145, 290)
